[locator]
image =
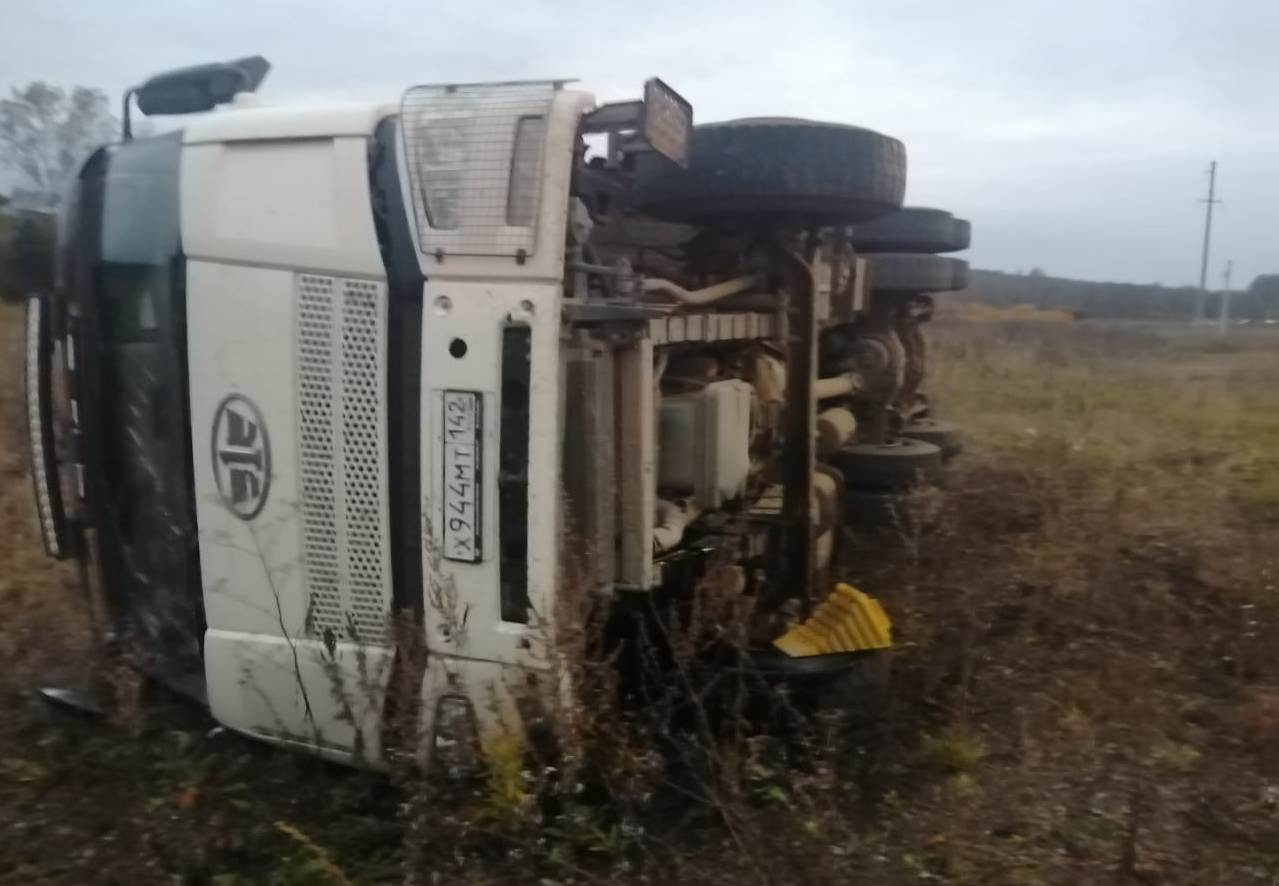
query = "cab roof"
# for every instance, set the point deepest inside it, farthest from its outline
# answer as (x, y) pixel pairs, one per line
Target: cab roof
(245, 121)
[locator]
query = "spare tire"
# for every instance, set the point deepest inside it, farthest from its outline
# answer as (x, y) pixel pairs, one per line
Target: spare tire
(778, 169)
(914, 229)
(911, 272)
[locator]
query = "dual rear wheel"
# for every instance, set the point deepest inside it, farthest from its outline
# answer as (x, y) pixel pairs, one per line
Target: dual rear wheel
(892, 485)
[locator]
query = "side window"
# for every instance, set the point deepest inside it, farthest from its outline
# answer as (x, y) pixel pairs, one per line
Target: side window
(142, 427)
(139, 238)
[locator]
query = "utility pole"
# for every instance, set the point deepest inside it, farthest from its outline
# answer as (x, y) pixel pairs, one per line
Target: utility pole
(1224, 319)
(1203, 264)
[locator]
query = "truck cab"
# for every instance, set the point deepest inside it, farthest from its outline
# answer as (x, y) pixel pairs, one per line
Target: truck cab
(333, 401)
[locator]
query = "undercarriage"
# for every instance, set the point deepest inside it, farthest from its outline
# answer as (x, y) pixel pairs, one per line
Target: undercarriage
(744, 337)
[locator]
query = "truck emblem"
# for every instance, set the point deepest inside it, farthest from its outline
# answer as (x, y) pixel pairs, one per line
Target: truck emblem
(241, 456)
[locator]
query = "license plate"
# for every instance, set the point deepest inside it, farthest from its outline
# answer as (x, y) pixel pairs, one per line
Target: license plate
(463, 455)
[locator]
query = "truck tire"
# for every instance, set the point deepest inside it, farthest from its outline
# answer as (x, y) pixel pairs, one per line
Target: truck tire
(779, 168)
(901, 512)
(862, 692)
(898, 464)
(913, 272)
(913, 229)
(945, 435)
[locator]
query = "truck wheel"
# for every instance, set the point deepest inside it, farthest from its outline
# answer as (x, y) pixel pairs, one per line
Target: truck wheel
(899, 464)
(863, 691)
(945, 435)
(802, 171)
(903, 512)
(913, 272)
(914, 229)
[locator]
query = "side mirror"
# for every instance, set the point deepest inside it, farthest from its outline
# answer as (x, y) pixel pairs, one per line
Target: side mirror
(197, 88)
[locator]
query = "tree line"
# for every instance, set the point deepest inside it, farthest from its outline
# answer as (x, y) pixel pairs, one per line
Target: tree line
(46, 131)
(1121, 301)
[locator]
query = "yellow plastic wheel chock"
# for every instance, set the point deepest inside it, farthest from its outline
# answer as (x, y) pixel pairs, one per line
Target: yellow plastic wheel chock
(846, 621)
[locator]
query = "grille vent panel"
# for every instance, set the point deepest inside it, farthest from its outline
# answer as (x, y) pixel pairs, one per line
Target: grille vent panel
(341, 331)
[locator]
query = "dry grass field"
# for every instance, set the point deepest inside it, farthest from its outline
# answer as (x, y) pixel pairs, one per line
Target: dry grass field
(1086, 688)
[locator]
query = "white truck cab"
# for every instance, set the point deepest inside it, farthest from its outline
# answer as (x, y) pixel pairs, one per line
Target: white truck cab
(321, 385)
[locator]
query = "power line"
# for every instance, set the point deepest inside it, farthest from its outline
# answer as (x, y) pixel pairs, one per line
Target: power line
(1203, 264)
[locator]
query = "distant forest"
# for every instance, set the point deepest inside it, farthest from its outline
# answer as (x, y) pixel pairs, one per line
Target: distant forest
(1131, 301)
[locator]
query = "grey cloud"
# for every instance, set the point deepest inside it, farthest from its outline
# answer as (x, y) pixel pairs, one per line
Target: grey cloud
(1073, 134)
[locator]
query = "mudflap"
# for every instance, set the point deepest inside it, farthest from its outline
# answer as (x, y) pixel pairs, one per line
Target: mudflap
(78, 700)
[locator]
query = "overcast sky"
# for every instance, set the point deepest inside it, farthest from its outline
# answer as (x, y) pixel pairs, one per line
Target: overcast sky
(1074, 133)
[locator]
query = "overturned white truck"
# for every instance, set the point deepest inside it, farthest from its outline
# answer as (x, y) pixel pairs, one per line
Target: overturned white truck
(310, 375)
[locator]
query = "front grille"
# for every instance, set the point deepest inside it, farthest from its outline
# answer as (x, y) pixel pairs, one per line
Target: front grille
(340, 330)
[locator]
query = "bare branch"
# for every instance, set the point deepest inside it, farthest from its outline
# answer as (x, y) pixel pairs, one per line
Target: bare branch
(46, 132)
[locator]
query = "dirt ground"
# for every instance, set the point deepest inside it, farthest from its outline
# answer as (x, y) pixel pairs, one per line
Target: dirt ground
(1085, 688)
